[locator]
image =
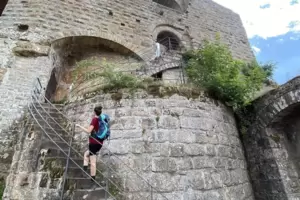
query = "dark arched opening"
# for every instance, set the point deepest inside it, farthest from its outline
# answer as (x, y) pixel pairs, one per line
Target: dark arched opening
(169, 40)
(287, 126)
(77, 61)
(2, 6)
(169, 3)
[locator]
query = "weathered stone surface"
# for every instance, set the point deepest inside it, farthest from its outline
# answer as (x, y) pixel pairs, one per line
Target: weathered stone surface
(28, 49)
(2, 73)
(182, 156)
(272, 143)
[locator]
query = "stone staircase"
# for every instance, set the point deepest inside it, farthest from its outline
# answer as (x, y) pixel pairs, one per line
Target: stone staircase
(54, 156)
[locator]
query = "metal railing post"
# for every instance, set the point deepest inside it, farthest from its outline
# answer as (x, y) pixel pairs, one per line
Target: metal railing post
(107, 182)
(67, 164)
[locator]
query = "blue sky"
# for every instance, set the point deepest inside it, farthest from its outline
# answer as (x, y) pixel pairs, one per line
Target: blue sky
(273, 29)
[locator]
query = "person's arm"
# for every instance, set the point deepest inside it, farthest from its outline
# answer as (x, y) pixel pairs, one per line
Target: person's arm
(87, 130)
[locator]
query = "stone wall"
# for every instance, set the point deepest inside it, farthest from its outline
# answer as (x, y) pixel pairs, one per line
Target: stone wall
(186, 148)
(19, 73)
(29, 28)
(132, 24)
(174, 76)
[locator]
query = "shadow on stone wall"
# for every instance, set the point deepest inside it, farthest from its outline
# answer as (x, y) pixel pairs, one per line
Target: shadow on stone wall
(262, 166)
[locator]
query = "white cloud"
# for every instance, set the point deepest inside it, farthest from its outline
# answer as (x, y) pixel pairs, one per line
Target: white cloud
(256, 50)
(273, 20)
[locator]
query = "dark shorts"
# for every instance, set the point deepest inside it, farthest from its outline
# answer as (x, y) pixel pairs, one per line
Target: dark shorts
(94, 148)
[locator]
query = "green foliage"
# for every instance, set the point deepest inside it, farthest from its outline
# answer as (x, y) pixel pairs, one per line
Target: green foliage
(114, 80)
(230, 80)
(82, 65)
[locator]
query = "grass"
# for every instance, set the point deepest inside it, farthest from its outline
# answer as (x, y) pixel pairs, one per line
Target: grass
(92, 78)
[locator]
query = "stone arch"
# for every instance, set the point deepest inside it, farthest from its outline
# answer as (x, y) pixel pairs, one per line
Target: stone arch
(272, 142)
(66, 52)
(113, 39)
(170, 32)
(278, 103)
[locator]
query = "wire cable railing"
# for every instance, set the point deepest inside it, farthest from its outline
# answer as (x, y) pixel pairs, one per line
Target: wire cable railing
(69, 146)
(38, 91)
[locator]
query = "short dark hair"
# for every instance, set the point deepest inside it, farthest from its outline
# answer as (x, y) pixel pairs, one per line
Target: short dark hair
(98, 110)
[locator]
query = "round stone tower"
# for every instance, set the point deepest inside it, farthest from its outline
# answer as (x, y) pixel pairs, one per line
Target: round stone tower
(45, 38)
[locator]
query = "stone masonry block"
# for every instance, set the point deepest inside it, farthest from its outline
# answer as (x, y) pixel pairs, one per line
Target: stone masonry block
(176, 150)
(195, 149)
(164, 165)
(202, 162)
(168, 122)
(182, 136)
(148, 123)
(126, 123)
(196, 123)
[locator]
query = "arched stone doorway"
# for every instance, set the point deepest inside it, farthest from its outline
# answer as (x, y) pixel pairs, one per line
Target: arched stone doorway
(86, 53)
(272, 144)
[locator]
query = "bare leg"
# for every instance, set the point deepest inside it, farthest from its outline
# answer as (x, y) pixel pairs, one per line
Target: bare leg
(93, 159)
(86, 158)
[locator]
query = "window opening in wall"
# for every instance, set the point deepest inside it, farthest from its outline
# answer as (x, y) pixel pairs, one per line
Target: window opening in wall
(2, 5)
(169, 40)
(137, 20)
(169, 3)
(51, 87)
(23, 27)
(122, 24)
(157, 76)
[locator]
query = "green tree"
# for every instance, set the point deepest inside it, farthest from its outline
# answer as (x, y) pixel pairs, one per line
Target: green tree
(233, 81)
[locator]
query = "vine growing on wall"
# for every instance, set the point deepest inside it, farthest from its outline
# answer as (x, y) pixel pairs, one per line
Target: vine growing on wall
(230, 80)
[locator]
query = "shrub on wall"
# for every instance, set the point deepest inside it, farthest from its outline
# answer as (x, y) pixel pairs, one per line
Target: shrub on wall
(230, 80)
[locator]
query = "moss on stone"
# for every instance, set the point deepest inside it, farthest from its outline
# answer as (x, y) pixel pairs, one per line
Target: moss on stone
(113, 190)
(157, 118)
(275, 138)
(54, 168)
(117, 96)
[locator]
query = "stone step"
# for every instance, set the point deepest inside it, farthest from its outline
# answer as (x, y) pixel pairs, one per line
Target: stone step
(76, 172)
(62, 161)
(53, 152)
(47, 105)
(84, 183)
(56, 137)
(46, 144)
(44, 116)
(58, 126)
(50, 117)
(51, 111)
(89, 194)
